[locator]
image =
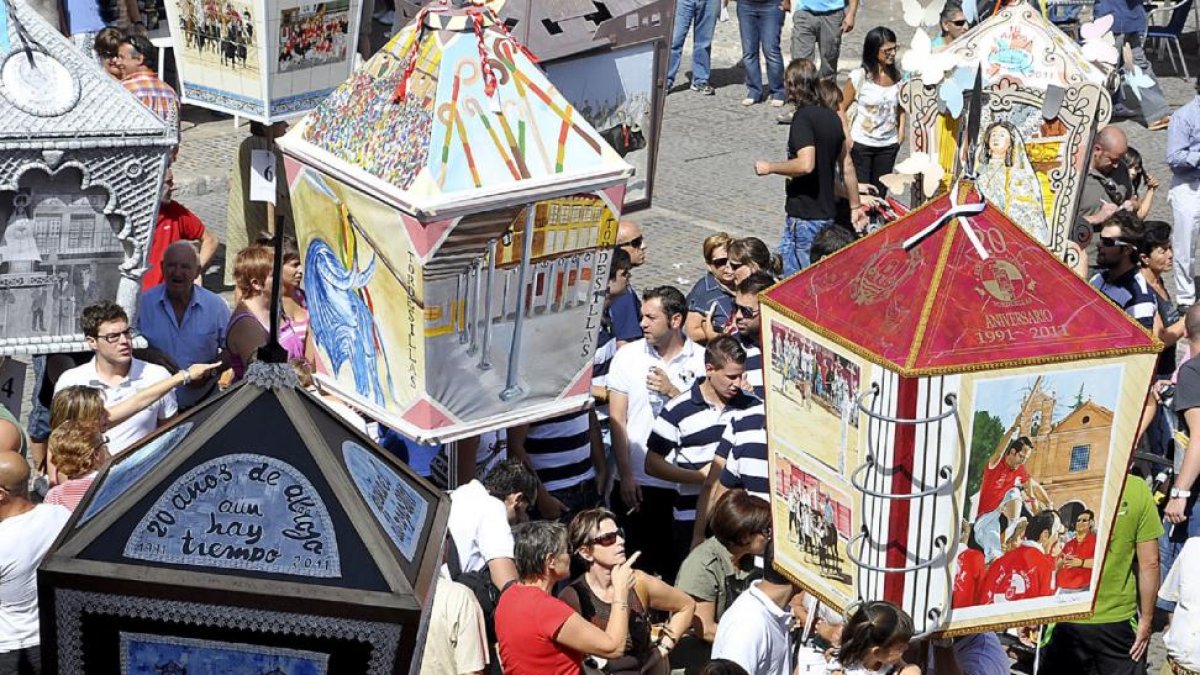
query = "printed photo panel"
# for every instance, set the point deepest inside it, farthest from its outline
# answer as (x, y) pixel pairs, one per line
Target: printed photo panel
(310, 51)
(218, 47)
(1047, 454)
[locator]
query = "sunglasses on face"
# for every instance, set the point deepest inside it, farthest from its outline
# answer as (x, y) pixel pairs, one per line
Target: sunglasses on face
(959, 22)
(1113, 242)
(112, 338)
(719, 262)
(636, 242)
(746, 312)
(735, 266)
(608, 538)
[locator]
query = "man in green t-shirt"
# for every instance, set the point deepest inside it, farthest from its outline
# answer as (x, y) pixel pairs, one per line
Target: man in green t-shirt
(1114, 640)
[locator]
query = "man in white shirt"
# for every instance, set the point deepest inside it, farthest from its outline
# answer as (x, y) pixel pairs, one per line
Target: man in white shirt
(482, 516)
(26, 533)
(642, 377)
(753, 632)
(115, 372)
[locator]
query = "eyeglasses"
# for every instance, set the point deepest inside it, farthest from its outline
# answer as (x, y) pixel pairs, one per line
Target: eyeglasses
(608, 538)
(636, 242)
(112, 338)
(747, 312)
(1113, 242)
(719, 262)
(960, 22)
(735, 266)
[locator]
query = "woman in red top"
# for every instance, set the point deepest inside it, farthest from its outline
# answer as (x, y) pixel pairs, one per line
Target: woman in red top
(540, 634)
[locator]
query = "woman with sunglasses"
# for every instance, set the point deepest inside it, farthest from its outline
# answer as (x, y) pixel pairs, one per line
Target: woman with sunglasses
(710, 302)
(718, 570)
(877, 125)
(750, 255)
(600, 545)
(539, 634)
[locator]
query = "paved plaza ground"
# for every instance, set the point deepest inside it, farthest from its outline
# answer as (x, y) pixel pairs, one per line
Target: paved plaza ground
(705, 181)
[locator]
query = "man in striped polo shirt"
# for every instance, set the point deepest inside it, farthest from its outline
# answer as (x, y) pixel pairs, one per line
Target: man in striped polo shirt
(685, 435)
(740, 460)
(749, 324)
(567, 455)
(1121, 279)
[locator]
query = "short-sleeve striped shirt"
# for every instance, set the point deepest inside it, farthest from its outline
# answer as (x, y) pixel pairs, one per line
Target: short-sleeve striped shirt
(560, 450)
(687, 432)
(606, 349)
(744, 447)
(1132, 293)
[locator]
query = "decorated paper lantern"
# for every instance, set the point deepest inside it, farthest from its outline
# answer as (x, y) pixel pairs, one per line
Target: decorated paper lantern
(944, 398)
(259, 532)
(81, 171)
(265, 61)
(457, 217)
(1043, 101)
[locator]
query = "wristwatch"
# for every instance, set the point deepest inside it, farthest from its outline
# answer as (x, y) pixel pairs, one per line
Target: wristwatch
(1176, 493)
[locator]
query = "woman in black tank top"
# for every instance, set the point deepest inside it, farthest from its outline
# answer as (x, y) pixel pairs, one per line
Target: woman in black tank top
(600, 545)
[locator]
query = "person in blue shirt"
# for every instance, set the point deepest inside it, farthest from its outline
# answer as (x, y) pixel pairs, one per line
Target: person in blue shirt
(183, 320)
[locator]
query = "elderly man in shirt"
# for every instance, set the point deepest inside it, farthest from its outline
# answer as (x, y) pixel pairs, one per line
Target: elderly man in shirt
(184, 321)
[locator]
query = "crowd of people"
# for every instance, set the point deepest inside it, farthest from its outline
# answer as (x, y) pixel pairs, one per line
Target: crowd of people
(636, 537)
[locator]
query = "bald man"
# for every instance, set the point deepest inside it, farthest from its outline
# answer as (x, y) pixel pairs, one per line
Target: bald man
(1106, 190)
(625, 311)
(26, 533)
(183, 320)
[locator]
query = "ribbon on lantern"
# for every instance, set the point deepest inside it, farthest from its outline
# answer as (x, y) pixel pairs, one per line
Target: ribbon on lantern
(962, 212)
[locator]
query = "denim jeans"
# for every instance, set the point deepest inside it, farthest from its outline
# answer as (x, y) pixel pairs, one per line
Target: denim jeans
(703, 14)
(761, 24)
(798, 235)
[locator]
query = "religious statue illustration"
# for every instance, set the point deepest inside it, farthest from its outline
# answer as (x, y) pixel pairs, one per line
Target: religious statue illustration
(1006, 178)
(19, 246)
(342, 323)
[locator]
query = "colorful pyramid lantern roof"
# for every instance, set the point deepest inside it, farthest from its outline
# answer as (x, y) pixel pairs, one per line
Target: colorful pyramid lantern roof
(451, 116)
(940, 307)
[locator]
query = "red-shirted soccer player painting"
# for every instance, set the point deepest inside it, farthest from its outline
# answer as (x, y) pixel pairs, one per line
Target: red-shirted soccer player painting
(1039, 447)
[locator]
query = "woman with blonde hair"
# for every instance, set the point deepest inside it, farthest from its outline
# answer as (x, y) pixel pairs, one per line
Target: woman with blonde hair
(79, 450)
(253, 274)
(710, 302)
(600, 544)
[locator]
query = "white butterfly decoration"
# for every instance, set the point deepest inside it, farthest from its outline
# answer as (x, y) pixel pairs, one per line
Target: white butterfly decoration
(1098, 43)
(906, 172)
(916, 14)
(1135, 77)
(921, 60)
(951, 91)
